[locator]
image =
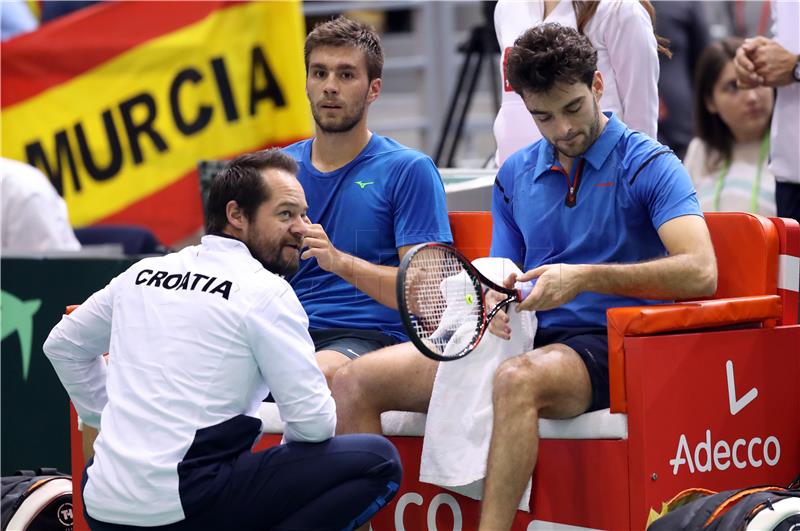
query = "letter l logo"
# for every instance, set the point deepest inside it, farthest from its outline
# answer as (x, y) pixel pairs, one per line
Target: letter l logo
(741, 403)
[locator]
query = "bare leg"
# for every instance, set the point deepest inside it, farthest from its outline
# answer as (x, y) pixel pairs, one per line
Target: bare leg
(550, 382)
(331, 361)
(392, 378)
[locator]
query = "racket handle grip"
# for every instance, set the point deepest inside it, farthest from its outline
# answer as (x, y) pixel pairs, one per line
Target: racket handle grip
(524, 289)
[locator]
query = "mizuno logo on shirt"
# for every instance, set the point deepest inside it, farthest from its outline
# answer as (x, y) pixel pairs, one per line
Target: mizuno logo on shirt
(187, 281)
(363, 184)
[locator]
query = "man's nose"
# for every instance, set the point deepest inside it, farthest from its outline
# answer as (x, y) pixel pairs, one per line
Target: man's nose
(563, 127)
(299, 226)
(330, 86)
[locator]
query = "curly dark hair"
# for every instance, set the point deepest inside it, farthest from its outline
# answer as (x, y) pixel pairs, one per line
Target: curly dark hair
(343, 31)
(548, 54)
(241, 181)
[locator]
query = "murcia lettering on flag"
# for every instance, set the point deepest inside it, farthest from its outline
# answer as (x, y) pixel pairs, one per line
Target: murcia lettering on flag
(119, 104)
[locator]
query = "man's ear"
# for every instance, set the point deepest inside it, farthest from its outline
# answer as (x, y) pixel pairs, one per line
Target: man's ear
(597, 84)
(374, 89)
(235, 215)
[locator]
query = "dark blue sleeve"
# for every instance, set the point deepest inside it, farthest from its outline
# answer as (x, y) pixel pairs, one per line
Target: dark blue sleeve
(666, 190)
(420, 209)
(507, 240)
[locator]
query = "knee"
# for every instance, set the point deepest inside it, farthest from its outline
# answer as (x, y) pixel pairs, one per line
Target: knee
(330, 372)
(347, 386)
(516, 378)
(390, 467)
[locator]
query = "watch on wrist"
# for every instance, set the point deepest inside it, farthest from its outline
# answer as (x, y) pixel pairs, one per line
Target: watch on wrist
(796, 71)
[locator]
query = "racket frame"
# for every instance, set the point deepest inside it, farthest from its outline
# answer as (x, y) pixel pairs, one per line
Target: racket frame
(482, 285)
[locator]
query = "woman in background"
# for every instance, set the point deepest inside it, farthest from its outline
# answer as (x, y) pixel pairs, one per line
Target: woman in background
(727, 159)
(627, 57)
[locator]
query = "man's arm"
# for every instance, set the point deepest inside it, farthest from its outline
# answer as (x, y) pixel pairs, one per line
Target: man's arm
(420, 215)
(277, 331)
(76, 346)
(375, 280)
(689, 271)
(507, 240)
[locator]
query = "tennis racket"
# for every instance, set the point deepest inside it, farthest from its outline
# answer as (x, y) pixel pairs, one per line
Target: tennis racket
(441, 297)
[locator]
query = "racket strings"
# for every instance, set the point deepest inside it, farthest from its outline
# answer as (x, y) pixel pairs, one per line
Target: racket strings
(445, 301)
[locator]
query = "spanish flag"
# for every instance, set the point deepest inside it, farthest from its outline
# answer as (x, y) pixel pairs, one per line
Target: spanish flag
(118, 102)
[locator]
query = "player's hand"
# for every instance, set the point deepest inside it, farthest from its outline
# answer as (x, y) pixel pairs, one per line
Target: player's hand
(556, 285)
(422, 297)
(320, 247)
(499, 326)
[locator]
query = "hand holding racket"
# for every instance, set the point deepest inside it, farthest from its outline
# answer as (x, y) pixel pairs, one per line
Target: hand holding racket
(441, 298)
(499, 326)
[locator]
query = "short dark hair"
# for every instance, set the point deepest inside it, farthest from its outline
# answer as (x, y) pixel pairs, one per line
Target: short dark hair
(343, 31)
(241, 181)
(707, 125)
(548, 54)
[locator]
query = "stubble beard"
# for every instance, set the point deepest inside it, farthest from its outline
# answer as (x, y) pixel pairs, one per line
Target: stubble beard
(272, 261)
(348, 122)
(593, 134)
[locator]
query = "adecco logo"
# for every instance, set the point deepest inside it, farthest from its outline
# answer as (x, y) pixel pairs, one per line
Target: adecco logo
(741, 452)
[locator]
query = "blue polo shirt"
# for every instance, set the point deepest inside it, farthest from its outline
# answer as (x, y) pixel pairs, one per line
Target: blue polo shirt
(614, 218)
(389, 196)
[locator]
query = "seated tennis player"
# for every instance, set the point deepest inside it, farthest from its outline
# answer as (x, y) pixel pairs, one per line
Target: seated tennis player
(197, 339)
(600, 216)
(370, 199)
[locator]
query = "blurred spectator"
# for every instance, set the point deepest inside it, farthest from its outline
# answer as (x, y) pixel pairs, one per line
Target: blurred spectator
(33, 216)
(16, 18)
(776, 63)
(728, 158)
(684, 25)
(627, 48)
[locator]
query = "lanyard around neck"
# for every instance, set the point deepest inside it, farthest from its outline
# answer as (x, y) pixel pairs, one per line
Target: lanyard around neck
(762, 157)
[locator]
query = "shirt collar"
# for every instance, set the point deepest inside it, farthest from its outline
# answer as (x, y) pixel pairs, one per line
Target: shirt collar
(224, 242)
(546, 158)
(597, 153)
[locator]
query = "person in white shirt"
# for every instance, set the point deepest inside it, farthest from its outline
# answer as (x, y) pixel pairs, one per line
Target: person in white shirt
(621, 32)
(33, 217)
(776, 63)
(728, 157)
(196, 340)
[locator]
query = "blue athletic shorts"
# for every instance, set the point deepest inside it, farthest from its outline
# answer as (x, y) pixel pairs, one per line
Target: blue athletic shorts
(591, 344)
(351, 342)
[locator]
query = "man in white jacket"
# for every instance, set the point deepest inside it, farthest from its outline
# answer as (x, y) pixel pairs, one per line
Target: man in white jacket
(196, 340)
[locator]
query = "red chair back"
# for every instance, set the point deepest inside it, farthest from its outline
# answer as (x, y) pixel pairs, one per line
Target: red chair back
(472, 233)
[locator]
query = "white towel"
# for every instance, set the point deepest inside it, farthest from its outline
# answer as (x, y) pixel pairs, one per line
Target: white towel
(459, 423)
